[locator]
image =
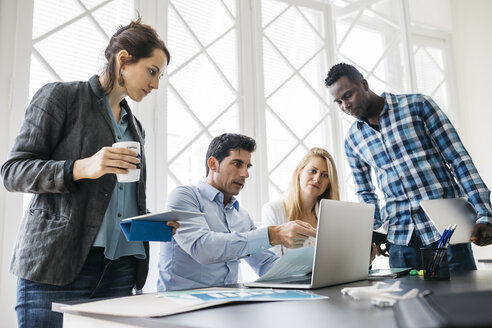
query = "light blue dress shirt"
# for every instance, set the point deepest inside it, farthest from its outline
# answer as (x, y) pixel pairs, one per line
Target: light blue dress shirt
(123, 204)
(206, 251)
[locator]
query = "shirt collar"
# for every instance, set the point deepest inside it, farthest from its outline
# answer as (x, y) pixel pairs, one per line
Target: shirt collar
(213, 194)
(96, 86)
(98, 90)
(123, 115)
(387, 102)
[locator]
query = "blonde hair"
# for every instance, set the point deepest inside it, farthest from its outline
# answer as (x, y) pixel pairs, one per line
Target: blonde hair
(292, 200)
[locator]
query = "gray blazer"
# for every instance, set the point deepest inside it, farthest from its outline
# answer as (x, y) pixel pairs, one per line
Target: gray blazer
(64, 122)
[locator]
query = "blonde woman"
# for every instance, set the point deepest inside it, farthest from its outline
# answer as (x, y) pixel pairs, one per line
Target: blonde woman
(314, 178)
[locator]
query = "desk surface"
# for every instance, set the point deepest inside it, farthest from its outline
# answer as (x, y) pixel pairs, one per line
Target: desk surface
(336, 311)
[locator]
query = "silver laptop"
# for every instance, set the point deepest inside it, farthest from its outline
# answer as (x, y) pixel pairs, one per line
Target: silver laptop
(342, 249)
(445, 212)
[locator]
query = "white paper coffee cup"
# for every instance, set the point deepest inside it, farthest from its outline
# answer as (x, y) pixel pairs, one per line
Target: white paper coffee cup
(132, 175)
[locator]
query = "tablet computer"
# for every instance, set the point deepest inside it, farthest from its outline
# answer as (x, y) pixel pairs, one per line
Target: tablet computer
(446, 212)
(167, 215)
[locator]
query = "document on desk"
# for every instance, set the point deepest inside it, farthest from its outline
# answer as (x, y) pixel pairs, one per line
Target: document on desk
(147, 305)
(243, 295)
(168, 303)
(295, 262)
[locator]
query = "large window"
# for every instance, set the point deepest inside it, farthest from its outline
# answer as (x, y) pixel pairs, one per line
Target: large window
(394, 56)
(433, 76)
(250, 66)
(295, 63)
(371, 37)
(254, 67)
(203, 90)
(69, 38)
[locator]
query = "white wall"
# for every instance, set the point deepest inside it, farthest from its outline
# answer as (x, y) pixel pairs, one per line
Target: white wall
(432, 14)
(14, 67)
(472, 48)
(7, 229)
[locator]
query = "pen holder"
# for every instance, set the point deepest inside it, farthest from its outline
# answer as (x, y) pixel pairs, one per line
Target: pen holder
(435, 262)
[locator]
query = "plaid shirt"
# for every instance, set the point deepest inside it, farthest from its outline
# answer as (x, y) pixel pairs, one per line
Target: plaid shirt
(416, 155)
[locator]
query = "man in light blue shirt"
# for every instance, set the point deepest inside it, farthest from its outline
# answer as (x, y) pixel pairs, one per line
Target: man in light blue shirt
(206, 251)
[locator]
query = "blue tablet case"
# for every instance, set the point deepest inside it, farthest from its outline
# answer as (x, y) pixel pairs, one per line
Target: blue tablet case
(141, 230)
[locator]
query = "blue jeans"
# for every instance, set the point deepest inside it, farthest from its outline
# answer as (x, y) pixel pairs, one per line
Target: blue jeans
(99, 277)
(460, 257)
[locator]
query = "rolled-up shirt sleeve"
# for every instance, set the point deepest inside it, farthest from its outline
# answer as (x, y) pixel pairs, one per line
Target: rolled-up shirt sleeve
(206, 246)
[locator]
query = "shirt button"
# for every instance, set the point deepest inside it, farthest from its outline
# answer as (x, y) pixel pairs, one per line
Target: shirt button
(121, 187)
(401, 177)
(119, 215)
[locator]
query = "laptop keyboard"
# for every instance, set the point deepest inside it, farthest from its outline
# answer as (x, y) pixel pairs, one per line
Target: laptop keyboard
(304, 280)
(298, 282)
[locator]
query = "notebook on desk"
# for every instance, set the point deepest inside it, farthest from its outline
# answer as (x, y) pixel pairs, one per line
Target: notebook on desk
(342, 249)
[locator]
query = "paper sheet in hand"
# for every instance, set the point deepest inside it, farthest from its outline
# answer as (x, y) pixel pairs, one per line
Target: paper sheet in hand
(295, 262)
(152, 227)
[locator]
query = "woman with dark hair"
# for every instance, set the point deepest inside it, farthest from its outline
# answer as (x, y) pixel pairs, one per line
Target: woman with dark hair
(70, 245)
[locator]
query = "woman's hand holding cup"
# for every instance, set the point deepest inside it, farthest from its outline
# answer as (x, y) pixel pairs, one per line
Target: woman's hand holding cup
(121, 159)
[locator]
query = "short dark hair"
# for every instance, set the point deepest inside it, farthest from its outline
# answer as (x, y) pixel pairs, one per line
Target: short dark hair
(221, 146)
(343, 69)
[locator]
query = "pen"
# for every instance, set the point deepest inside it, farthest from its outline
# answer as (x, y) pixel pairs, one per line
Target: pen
(434, 260)
(450, 233)
(440, 255)
(443, 236)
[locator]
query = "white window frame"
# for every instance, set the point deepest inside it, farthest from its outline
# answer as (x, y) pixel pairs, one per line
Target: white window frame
(14, 95)
(442, 40)
(16, 51)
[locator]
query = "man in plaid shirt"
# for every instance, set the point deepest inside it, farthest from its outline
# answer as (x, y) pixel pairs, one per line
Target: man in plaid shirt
(416, 154)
